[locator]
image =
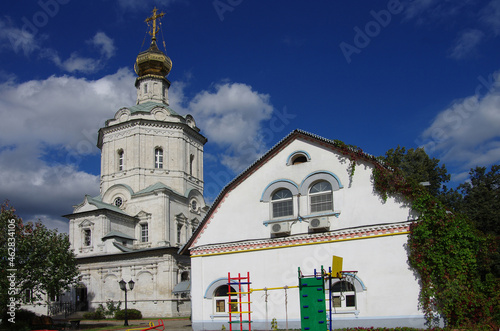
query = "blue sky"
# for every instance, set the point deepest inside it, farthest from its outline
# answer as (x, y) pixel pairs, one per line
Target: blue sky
(375, 74)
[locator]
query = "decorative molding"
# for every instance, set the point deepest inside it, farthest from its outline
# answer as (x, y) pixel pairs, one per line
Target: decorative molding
(303, 239)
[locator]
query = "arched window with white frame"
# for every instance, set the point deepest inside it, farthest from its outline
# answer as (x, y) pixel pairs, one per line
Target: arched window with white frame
(158, 158)
(321, 197)
(120, 159)
(221, 300)
(343, 295)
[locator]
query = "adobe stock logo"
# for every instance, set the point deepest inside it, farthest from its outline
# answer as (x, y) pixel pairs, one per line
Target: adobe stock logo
(372, 29)
(49, 9)
(222, 6)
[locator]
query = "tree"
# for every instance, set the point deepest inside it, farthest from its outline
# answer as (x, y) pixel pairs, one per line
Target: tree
(32, 258)
(482, 199)
(481, 203)
(453, 259)
(418, 167)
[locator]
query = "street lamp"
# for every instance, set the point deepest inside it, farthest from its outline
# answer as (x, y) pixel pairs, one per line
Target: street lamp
(123, 287)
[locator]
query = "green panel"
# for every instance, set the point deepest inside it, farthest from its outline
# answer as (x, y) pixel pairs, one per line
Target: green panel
(312, 303)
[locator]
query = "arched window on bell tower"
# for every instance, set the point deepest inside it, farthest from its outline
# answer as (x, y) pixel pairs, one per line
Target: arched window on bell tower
(158, 158)
(191, 160)
(120, 160)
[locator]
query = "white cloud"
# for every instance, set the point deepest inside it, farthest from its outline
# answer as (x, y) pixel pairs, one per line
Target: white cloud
(49, 126)
(231, 116)
(106, 44)
(491, 16)
(467, 133)
(417, 7)
(60, 224)
(55, 115)
(62, 110)
(34, 187)
(466, 44)
(447, 13)
(18, 40)
(431, 11)
(21, 40)
(77, 63)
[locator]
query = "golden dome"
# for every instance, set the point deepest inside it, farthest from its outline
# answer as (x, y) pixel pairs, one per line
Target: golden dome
(152, 62)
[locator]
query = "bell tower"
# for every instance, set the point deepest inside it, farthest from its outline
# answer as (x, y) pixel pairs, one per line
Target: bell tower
(149, 143)
(151, 196)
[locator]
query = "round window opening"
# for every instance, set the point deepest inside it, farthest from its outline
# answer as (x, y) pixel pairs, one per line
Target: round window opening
(118, 202)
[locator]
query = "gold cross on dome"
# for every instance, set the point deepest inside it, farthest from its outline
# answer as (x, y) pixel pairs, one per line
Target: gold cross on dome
(153, 18)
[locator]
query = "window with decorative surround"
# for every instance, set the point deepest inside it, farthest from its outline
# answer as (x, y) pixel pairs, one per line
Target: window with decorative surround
(179, 233)
(87, 237)
(320, 197)
(144, 233)
(343, 295)
(221, 300)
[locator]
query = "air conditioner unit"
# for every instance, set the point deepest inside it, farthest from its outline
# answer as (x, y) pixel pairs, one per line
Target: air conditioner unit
(319, 223)
(280, 228)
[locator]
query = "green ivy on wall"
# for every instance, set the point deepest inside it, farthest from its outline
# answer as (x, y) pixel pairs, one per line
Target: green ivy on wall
(448, 253)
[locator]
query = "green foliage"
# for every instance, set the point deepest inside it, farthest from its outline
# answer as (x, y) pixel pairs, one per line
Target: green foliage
(38, 259)
(418, 167)
(482, 199)
(110, 309)
(448, 253)
(94, 315)
(353, 153)
(481, 202)
(132, 314)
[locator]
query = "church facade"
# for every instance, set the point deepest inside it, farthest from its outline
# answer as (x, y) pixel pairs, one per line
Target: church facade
(296, 207)
(150, 201)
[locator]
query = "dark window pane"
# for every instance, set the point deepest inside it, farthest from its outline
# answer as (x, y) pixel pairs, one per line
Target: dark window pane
(282, 194)
(343, 286)
(350, 301)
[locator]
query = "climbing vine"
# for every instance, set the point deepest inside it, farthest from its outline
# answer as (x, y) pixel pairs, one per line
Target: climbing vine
(353, 153)
(448, 253)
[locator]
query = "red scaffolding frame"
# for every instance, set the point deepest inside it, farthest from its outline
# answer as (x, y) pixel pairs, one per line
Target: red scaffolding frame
(242, 301)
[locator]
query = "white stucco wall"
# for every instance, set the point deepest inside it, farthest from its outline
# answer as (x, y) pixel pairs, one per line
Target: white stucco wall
(390, 293)
(154, 277)
(391, 289)
(242, 214)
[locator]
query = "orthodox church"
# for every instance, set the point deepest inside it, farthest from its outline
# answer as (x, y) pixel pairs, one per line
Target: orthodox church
(294, 212)
(150, 201)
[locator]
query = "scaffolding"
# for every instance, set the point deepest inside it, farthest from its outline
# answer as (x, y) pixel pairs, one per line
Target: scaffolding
(239, 307)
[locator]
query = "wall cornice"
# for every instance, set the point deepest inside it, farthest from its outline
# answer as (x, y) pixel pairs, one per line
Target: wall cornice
(367, 232)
